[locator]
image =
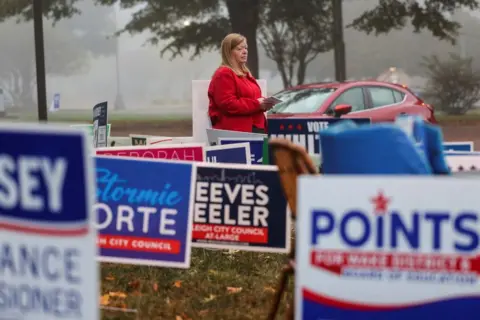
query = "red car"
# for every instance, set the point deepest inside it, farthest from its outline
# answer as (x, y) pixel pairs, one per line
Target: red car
(377, 100)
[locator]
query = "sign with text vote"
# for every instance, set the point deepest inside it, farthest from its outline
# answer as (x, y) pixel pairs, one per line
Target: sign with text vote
(305, 131)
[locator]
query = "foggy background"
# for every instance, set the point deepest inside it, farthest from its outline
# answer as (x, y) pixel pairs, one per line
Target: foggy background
(81, 60)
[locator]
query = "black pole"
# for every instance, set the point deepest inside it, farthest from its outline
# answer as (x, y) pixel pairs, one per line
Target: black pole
(338, 42)
(40, 59)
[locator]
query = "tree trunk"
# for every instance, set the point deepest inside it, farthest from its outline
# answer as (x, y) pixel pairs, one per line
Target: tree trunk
(244, 18)
(301, 70)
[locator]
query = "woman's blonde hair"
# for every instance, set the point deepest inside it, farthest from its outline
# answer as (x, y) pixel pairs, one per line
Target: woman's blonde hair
(229, 43)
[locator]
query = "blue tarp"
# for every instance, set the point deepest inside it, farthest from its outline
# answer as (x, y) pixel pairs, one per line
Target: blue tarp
(381, 149)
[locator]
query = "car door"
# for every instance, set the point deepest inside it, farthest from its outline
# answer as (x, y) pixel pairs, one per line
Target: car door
(384, 103)
(355, 97)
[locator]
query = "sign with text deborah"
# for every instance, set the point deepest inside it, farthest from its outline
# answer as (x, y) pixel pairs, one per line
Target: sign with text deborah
(47, 245)
(232, 153)
(188, 152)
(304, 131)
(240, 207)
(144, 211)
(392, 251)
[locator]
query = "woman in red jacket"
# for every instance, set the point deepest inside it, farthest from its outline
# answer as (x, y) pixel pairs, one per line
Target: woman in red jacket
(236, 101)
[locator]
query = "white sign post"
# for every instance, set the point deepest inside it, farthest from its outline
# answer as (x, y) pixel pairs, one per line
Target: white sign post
(387, 248)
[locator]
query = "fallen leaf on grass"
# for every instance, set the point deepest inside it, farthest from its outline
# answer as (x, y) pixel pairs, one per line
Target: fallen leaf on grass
(233, 289)
(177, 283)
(214, 272)
(210, 298)
(269, 289)
(136, 293)
(155, 287)
(120, 295)
(231, 251)
(134, 284)
(105, 299)
(109, 278)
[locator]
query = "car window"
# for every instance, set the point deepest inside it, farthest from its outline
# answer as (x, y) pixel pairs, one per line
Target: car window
(353, 97)
(398, 96)
(301, 100)
(381, 96)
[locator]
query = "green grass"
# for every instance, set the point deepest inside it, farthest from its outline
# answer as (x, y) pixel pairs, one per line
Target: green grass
(86, 116)
(218, 285)
(472, 115)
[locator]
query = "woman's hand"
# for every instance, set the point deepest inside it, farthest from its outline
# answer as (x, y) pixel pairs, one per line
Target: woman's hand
(264, 104)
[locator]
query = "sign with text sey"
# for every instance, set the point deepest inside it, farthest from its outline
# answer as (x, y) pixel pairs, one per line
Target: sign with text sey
(47, 245)
(391, 251)
(188, 152)
(144, 211)
(240, 207)
(304, 131)
(232, 153)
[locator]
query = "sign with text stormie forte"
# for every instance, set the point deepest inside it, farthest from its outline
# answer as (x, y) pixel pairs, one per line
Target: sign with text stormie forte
(187, 152)
(144, 211)
(240, 207)
(47, 245)
(389, 251)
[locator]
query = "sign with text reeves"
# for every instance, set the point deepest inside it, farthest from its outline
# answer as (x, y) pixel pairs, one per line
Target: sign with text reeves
(144, 211)
(392, 251)
(47, 245)
(305, 131)
(188, 152)
(240, 207)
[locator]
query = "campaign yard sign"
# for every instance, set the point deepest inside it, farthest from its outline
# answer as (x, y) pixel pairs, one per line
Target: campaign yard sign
(100, 121)
(188, 152)
(240, 207)
(144, 211)
(304, 131)
(47, 245)
(231, 153)
(256, 146)
(391, 251)
(458, 146)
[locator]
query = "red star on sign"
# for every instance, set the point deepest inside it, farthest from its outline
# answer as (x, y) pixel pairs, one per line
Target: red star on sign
(282, 127)
(380, 202)
(290, 127)
(299, 127)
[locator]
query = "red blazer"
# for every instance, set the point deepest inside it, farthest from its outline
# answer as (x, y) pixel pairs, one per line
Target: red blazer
(233, 102)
